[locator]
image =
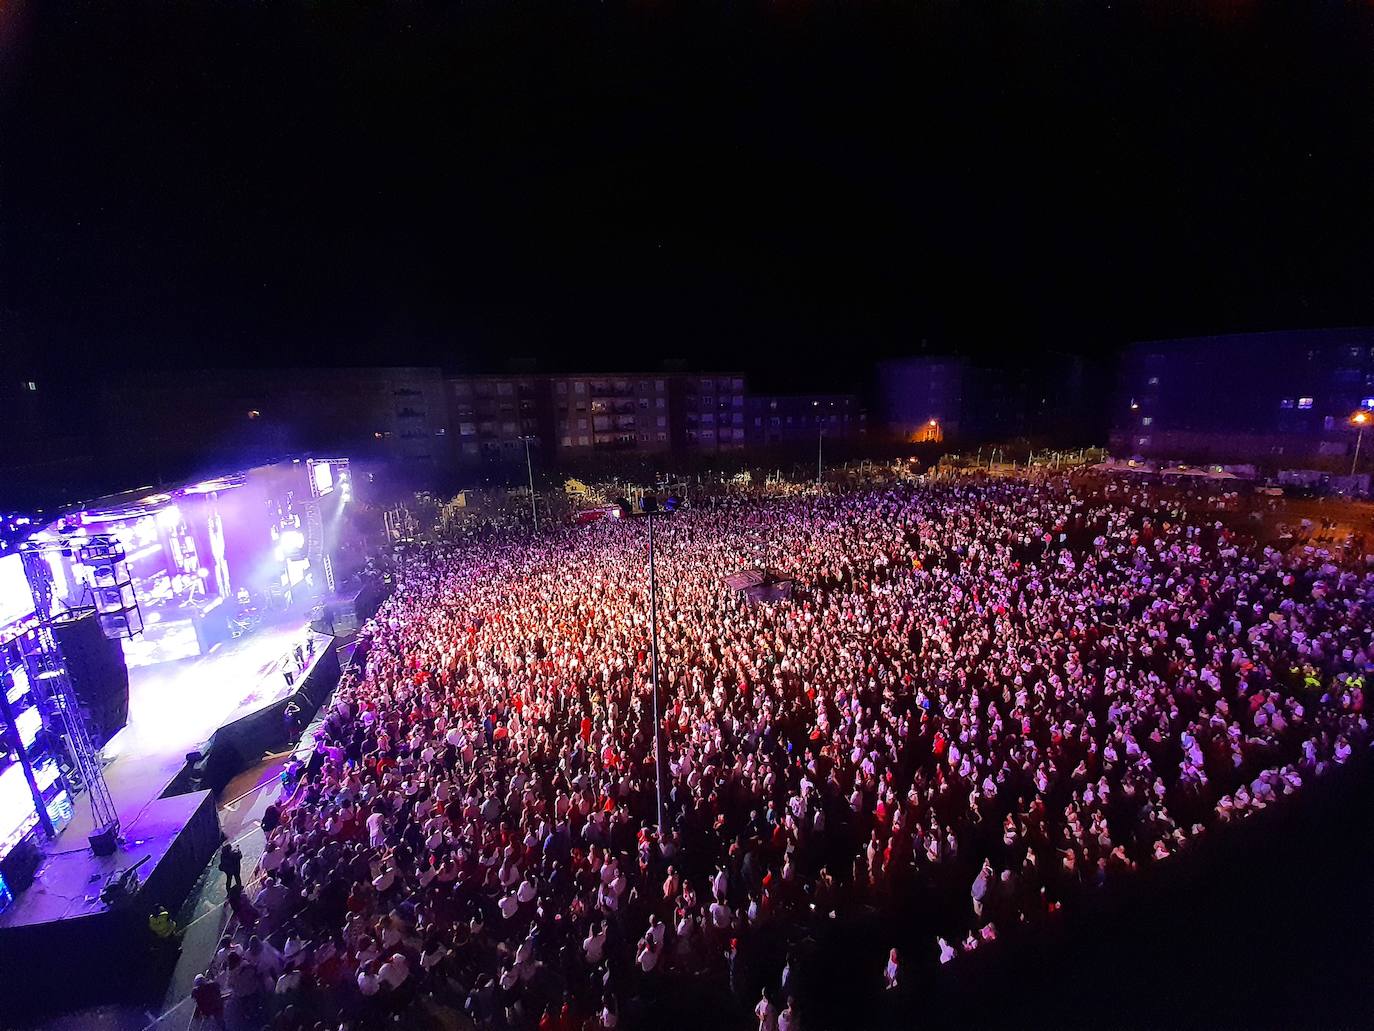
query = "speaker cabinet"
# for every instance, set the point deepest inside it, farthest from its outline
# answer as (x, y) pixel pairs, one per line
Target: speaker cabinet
(96, 668)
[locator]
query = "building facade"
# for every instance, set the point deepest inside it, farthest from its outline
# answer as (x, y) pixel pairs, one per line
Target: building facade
(493, 417)
(793, 418)
(606, 413)
(711, 408)
(1043, 395)
(582, 415)
(1259, 397)
(918, 395)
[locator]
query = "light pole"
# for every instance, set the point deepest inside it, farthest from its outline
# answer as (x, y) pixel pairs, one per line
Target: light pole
(534, 512)
(653, 675)
(1360, 419)
(623, 510)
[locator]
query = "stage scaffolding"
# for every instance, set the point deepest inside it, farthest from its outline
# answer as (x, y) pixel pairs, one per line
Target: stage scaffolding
(112, 575)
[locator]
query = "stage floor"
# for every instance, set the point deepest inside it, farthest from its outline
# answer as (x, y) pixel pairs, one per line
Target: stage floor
(69, 882)
(175, 706)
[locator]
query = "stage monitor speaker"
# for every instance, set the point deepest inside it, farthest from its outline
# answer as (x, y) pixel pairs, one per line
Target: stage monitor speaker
(104, 841)
(341, 612)
(18, 868)
(95, 666)
(212, 628)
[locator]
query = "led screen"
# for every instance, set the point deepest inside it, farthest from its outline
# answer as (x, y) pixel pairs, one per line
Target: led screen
(16, 601)
(324, 478)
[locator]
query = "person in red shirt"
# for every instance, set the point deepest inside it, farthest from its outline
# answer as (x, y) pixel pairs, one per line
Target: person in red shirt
(209, 1000)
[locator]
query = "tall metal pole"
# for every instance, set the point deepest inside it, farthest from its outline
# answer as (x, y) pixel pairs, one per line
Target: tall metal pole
(1358, 440)
(653, 674)
(534, 512)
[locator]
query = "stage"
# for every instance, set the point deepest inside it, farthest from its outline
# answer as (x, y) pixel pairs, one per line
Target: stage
(72, 949)
(175, 707)
(229, 704)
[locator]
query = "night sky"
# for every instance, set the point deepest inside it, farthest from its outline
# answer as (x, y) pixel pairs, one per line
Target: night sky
(790, 188)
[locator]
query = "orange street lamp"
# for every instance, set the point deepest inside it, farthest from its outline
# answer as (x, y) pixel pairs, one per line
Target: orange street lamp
(1360, 419)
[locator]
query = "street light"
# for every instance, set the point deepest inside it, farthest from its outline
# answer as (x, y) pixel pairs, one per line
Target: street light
(534, 512)
(648, 506)
(1360, 419)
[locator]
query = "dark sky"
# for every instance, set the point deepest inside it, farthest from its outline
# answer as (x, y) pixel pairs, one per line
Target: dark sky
(784, 185)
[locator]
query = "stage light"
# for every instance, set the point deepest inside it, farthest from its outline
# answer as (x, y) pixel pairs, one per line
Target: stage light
(293, 540)
(169, 517)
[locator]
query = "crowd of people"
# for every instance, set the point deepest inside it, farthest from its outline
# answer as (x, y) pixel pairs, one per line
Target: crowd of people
(1004, 692)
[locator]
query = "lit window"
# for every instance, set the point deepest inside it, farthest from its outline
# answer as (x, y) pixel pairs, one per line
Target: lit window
(1304, 403)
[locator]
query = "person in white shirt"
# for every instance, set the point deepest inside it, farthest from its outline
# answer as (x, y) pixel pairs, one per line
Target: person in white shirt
(376, 830)
(595, 944)
(394, 971)
(610, 1012)
(368, 983)
(289, 982)
(766, 1012)
(892, 972)
(432, 956)
(648, 955)
(946, 950)
(720, 914)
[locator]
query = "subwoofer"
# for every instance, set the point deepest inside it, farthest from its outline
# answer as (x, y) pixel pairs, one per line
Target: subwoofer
(96, 669)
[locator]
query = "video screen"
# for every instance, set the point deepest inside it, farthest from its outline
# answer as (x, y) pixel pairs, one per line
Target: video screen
(16, 601)
(324, 477)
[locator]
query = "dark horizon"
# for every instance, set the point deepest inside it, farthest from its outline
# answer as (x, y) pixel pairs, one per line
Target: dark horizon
(788, 190)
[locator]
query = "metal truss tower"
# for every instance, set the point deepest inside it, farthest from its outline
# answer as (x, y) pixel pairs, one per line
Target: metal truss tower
(58, 685)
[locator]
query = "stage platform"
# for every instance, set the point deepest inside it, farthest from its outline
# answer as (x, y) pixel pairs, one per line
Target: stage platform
(61, 946)
(176, 707)
(229, 705)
